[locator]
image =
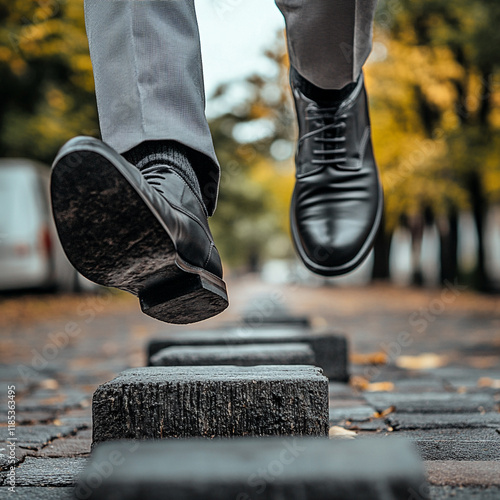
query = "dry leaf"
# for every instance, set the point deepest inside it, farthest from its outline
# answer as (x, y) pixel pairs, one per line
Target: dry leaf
(380, 387)
(488, 382)
(423, 361)
(383, 414)
(337, 432)
(373, 358)
(49, 383)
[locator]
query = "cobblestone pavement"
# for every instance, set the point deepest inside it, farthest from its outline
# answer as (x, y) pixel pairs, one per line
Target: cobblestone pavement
(425, 365)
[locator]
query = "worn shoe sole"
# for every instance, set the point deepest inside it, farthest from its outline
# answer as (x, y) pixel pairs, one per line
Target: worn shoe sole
(349, 266)
(115, 237)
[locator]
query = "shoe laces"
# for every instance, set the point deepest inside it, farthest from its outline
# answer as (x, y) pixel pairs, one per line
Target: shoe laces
(329, 137)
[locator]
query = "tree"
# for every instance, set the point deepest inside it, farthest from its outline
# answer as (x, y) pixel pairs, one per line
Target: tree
(439, 149)
(47, 84)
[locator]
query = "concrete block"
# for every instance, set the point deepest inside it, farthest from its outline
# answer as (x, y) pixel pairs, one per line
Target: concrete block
(267, 309)
(330, 350)
(239, 355)
(220, 401)
(249, 468)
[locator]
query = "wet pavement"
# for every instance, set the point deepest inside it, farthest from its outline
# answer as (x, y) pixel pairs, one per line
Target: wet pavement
(424, 365)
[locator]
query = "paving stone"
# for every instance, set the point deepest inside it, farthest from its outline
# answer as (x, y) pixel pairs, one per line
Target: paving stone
(35, 417)
(238, 355)
(421, 385)
(455, 444)
(461, 493)
(48, 399)
(48, 471)
(35, 436)
(360, 413)
(243, 469)
(72, 446)
(160, 402)
(42, 493)
(464, 473)
(342, 390)
(410, 421)
(465, 377)
(5, 461)
(330, 350)
(431, 402)
(81, 418)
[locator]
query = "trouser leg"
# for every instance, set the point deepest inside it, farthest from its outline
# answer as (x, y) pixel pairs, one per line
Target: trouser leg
(328, 40)
(148, 75)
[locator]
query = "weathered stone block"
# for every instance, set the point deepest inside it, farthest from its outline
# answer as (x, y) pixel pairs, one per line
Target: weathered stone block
(239, 355)
(221, 401)
(249, 468)
(330, 350)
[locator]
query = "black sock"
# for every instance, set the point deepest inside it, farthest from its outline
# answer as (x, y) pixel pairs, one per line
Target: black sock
(169, 153)
(324, 96)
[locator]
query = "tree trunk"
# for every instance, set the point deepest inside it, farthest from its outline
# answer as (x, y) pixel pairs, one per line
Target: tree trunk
(479, 212)
(448, 236)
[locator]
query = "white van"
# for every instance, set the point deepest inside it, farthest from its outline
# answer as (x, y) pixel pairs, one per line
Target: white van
(30, 253)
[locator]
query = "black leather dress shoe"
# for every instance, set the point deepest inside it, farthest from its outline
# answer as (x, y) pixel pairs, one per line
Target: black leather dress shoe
(337, 203)
(143, 232)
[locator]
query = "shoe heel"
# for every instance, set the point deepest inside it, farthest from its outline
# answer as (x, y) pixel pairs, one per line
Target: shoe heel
(187, 299)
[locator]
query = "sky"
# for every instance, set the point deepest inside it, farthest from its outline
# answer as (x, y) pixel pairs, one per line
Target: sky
(234, 34)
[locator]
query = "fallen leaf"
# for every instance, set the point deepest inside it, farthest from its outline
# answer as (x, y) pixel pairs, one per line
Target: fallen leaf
(373, 358)
(380, 387)
(424, 361)
(49, 383)
(488, 382)
(383, 414)
(337, 432)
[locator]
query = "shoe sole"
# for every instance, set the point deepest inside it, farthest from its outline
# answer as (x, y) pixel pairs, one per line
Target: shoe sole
(353, 263)
(113, 236)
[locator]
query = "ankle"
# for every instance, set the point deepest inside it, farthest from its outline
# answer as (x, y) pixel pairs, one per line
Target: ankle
(318, 94)
(166, 153)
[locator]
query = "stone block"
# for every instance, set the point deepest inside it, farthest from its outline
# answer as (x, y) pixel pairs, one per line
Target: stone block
(220, 401)
(330, 350)
(238, 355)
(250, 468)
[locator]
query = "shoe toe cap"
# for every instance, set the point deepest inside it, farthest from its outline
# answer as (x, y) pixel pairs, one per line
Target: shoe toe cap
(332, 243)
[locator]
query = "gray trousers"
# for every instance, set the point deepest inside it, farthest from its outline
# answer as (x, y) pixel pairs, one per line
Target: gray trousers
(148, 71)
